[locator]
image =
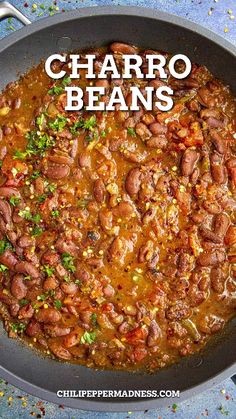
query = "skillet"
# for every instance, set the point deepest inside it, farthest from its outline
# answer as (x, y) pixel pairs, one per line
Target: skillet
(88, 28)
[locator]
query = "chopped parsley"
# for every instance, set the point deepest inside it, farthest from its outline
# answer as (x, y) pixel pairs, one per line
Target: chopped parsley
(68, 262)
(18, 327)
(3, 268)
(38, 143)
(87, 124)
(21, 155)
(14, 200)
(41, 198)
(36, 231)
(4, 245)
(55, 213)
(35, 175)
(131, 132)
(58, 304)
(88, 337)
(82, 203)
(48, 270)
(65, 81)
(26, 214)
(56, 90)
(58, 124)
(23, 302)
(93, 319)
(40, 120)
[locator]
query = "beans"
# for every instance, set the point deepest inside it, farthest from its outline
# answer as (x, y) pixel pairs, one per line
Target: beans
(50, 283)
(217, 279)
(61, 159)
(8, 259)
(212, 236)
(133, 181)
(121, 48)
(99, 190)
(142, 130)
(5, 211)
(221, 224)
(218, 170)
(56, 171)
(70, 288)
(48, 315)
(154, 334)
(26, 241)
(108, 291)
(189, 159)
(157, 129)
(123, 210)
(105, 218)
(211, 258)
(54, 330)
(230, 237)
(18, 287)
(219, 143)
(33, 329)
(7, 192)
(27, 268)
(26, 312)
(157, 142)
(178, 311)
(59, 350)
(84, 160)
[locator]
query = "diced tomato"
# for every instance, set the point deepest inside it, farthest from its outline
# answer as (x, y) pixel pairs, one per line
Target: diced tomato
(14, 170)
(136, 336)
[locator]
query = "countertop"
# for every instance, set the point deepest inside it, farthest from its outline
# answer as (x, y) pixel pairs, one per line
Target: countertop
(218, 402)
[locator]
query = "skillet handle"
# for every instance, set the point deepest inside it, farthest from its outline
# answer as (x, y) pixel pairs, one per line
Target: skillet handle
(6, 9)
(233, 378)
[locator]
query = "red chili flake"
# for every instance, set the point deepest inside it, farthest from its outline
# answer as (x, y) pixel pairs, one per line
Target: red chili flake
(26, 5)
(227, 397)
(61, 406)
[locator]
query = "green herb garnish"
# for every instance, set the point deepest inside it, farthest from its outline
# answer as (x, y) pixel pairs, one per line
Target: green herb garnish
(88, 337)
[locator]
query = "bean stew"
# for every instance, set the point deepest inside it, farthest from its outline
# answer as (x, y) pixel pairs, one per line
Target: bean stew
(117, 229)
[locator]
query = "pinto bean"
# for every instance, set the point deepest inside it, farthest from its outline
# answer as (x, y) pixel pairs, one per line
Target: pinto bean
(217, 279)
(54, 330)
(218, 141)
(105, 217)
(99, 190)
(189, 159)
(154, 334)
(84, 160)
(5, 211)
(108, 291)
(123, 209)
(70, 288)
(56, 171)
(61, 159)
(26, 241)
(157, 129)
(133, 181)
(212, 236)
(157, 142)
(18, 287)
(8, 259)
(27, 268)
(218, 170)
(143, 131)
(121, 48)
(211, 257)
(26, 312)
(230, 237)
(7, 192)
(178, 311)
(221, 224)
(33, 329)
(59, 350)
(50, 283)
(48, 315)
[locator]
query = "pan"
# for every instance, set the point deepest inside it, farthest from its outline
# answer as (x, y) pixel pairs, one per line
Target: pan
(88, 28)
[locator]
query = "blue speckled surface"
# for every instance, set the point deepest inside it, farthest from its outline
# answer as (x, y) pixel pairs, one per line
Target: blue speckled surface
(218, 402)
